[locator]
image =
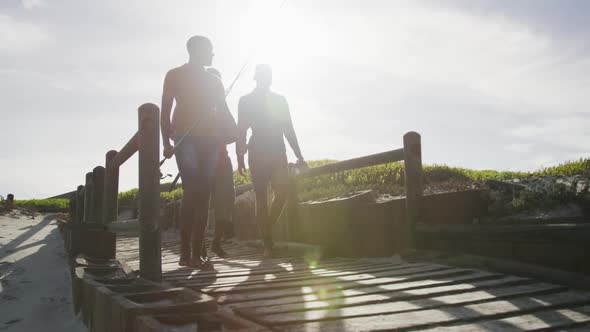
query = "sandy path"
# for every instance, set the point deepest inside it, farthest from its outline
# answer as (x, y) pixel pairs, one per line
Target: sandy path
(35, 293)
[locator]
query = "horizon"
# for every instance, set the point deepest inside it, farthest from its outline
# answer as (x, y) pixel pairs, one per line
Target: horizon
(488, 84)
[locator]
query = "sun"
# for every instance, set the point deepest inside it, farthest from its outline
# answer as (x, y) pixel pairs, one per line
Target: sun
(278, 34)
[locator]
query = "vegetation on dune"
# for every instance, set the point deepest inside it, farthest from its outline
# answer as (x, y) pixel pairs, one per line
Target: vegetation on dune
(44, 205)
(387, 179)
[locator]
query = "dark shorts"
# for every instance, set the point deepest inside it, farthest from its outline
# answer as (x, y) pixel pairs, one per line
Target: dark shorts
(197, 159)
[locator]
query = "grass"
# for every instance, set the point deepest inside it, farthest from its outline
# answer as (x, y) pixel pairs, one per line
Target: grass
(386, 179)
(44, 205)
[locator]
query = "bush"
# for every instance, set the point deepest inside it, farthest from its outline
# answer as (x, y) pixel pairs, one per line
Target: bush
(128, 198)
(44, 205)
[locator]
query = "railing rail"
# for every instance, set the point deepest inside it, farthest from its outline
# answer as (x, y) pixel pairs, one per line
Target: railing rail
(126, 152)
(355, 163)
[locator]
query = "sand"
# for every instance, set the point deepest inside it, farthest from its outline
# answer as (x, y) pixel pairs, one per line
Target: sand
(35, 291)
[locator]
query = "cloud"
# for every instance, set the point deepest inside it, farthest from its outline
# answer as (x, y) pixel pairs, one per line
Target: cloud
(20, 37)
(32, 4)
(519, 147)
(498, 88)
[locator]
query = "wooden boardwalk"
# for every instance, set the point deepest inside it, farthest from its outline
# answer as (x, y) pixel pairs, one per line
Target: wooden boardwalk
(338, 294)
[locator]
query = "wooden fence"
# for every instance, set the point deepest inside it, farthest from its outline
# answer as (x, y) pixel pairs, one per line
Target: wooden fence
(96, 201)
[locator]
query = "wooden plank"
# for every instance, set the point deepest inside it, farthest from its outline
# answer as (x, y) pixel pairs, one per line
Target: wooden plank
(401, 306)
(417, 287)
(300, 275)
(361, 297)
(254, 277)
(562, 318)
(278, 284)
(269, 269)
(430, 317)
(327, 288)
(292, 270)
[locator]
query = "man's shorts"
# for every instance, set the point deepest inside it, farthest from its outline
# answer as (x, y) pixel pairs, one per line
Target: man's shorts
(196, 158)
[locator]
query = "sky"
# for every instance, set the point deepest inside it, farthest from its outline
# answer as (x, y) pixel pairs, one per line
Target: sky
(489, 84)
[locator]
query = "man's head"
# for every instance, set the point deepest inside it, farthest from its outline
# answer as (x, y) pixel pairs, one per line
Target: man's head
(200, 50)
(263, 76)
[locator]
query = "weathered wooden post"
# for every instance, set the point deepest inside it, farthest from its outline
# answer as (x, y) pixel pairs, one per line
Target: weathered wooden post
(79, 204)
(413, 183)
(150, 259)
(111, 189)
(88, 190)
(292, 213)
(9, 201)
(72, 208)
(98, 180)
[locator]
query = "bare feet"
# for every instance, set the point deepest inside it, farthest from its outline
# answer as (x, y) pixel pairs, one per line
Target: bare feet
(200, 264)
(184, 260)
(267, 253)
(204, 256)
(218, 250)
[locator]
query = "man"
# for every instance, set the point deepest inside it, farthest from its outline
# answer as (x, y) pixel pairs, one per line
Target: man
(198, 95)
(223, 193)
(267, 114)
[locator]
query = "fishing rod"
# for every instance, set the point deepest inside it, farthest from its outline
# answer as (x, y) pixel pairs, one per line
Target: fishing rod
(227, 91)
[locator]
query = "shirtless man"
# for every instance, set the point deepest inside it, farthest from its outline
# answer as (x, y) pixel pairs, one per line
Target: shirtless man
(198, 95)
(267, 114)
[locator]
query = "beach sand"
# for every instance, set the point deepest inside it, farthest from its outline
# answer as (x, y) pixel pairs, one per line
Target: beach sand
(35, 291)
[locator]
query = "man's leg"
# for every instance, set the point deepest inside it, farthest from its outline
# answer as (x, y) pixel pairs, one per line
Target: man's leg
(280, 187)
(187, 213)
(262, 217)
(207, 158)
(187, 165)
(260, 171)
(223, 203)
(201, 203)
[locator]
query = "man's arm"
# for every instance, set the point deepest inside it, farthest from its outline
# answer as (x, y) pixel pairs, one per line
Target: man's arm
(167, 100)
(289, 132)
(243, 125)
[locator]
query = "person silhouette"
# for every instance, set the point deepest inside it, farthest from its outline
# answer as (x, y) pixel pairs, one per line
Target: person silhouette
(198, 95)
(267, 114)
(223, 193)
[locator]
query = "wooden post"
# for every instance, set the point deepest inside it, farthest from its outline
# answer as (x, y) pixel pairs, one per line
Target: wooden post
(98, 181)
(73, 208)
(413, 184)
(88, 190)
(79, 204)
(150, 259)
(292, 213)
(9, 201)
(111, 189)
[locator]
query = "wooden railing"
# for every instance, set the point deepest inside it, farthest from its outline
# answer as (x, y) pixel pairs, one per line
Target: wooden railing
(96, 201)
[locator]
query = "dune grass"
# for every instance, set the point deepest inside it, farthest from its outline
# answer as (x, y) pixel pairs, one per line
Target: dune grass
(49, 205)
(387, 179)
